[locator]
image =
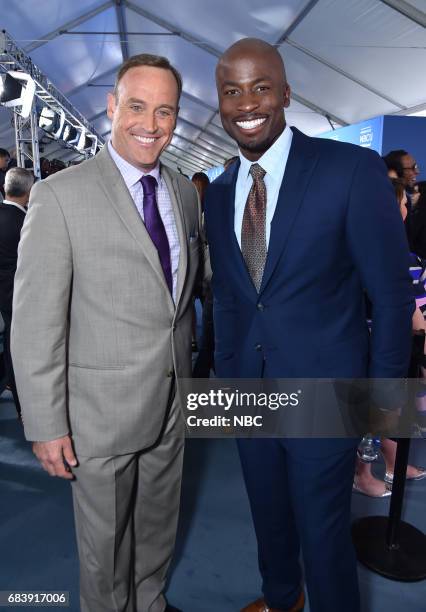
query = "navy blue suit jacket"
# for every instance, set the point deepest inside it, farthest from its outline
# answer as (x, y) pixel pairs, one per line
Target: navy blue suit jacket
(336, 232)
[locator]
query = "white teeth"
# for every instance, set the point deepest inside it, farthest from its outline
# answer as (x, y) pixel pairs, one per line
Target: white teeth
(249, 125)
(144, 139)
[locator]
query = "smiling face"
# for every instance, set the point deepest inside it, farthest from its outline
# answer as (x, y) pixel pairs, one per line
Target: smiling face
(410, 170)
(143, 115)
(253, 92)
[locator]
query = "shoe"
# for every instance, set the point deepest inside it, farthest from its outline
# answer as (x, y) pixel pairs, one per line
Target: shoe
(260, 605)
(386, 493)
(422, 474)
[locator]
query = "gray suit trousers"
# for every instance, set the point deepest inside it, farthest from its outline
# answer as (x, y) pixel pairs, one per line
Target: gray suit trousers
(126, 513)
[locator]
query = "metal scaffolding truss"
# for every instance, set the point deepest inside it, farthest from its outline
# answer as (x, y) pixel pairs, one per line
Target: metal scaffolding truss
(46, 94)
(26, 140)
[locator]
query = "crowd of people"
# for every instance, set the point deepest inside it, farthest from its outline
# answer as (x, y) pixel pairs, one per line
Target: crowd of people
(111, 254)
(47, 166)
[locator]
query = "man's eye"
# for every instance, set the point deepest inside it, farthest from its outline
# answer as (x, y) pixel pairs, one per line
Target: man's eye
(262, 88)
(164, 113)
(136, 108)
(230, 92)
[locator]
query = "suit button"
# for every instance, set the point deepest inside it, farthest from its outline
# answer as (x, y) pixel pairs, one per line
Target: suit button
(260, 306)
(258, 347)
(170, 374)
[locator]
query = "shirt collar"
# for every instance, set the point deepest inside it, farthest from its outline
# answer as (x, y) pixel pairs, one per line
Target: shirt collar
(130, 173)
(271, 160)
(24, 210)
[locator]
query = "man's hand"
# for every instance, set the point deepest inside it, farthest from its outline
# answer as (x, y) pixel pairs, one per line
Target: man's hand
(53, 454)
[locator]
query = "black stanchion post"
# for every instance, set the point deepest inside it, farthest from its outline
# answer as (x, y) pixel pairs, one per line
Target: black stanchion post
(387, 545)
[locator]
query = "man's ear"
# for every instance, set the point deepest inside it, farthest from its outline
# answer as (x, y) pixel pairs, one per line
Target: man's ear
(287, 94)
(176, 116)
(111, 104)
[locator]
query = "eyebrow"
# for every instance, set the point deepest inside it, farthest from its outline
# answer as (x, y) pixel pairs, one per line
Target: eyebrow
(139, 101)
(255, 82)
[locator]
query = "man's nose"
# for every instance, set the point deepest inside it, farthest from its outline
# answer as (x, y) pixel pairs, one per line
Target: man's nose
(248, 102)
(149, 122)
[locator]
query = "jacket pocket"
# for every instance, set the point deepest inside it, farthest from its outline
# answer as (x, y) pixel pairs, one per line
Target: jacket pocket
(86, 366)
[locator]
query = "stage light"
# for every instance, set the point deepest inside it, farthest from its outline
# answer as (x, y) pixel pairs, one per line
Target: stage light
(83, 141)
(87, 142)
(71, 134)
(10, 90)
(94, 147)
(52, 121)
(17, 89)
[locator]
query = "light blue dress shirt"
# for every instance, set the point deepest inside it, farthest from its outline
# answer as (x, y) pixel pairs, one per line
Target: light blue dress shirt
(273, 162)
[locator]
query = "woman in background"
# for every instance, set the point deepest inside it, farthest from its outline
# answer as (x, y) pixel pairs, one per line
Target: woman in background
(364, 481)
(205, 358)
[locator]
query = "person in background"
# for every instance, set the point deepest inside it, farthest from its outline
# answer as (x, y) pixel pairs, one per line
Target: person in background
(4, 164)
(18, 184)
(45, 169)
(230, 161)
(204, 362)
(364, 480)
(201, 182)
(403, 164)
(418, 220)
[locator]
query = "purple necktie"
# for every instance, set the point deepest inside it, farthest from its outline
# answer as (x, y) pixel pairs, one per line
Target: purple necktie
(155, 226)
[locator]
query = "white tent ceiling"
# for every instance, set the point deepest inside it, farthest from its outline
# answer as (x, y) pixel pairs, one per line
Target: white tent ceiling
(346, 60)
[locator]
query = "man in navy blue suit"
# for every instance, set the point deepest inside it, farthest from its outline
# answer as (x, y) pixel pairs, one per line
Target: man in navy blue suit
(298, 229)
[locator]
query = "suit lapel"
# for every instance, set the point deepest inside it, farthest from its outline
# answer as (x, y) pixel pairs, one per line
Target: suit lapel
(178, 209)
(112, 184)
(300, 165)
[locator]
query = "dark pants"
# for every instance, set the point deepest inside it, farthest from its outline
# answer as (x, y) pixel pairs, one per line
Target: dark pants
(10, 376)
(205, 358)
(300, 497)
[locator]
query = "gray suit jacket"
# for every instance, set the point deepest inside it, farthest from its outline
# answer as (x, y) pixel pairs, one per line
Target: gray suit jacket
(96, 335)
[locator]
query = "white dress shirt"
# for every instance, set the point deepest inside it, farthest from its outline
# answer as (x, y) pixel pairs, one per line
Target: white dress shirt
(10, 203)
(273, 161)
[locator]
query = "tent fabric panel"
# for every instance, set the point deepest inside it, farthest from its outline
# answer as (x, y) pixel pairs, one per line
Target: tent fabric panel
(358, 41)
(332, 90)
(70, 61)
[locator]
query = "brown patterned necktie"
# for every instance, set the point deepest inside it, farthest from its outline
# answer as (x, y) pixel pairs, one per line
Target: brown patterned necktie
(253, 231)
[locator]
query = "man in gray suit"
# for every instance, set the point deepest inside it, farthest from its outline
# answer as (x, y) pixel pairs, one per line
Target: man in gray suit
(109, 255)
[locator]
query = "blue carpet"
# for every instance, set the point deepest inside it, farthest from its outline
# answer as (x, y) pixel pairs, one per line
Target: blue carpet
(215, 565)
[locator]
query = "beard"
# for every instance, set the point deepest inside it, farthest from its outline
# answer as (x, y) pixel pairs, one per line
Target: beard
(260, 146)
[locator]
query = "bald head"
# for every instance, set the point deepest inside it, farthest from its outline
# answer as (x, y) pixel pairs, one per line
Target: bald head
(252, 47)
(253, 92)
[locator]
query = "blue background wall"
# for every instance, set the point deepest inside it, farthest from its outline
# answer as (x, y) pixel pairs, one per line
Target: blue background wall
(387, 133)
